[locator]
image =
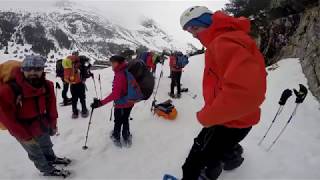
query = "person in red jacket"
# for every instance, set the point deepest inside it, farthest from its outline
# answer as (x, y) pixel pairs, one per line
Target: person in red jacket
(28, 110)
(234, 87)
(176, 73)
(122, 106)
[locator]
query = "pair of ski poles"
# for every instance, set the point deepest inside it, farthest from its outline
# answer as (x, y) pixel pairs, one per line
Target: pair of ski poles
(300, 97)
(85, 147)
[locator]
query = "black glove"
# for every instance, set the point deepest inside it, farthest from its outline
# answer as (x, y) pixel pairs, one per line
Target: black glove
(301, 94)
(96, 103)
(285, 96)
(58, 85)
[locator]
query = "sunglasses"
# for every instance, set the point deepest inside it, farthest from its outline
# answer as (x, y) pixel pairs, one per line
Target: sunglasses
(28, 69)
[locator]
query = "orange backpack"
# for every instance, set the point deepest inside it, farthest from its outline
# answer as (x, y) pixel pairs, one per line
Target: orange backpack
(165, 110)
(6, 76)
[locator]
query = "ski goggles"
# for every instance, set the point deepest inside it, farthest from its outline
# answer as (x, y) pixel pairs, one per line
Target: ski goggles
(29, 69)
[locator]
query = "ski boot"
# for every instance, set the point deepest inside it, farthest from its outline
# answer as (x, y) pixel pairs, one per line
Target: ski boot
(178, 96)
(67, 102)
(172, 95)
(61, 161)
(233, 159)
(58, 173)
(75, 115)
(211, 173)
(127, 141)
(116, 141)
(85, 113)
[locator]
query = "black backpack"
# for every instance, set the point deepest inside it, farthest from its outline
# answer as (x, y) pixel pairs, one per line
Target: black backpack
(59, 69)
(85, 67)
(143, 77)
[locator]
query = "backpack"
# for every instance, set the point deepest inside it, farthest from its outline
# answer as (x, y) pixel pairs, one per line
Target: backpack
(182, 61)
(165, 110)
(85, 68)
(6, 76)
(59, 69)
(140, 83)
(134, 93)
(143, 77)
(144, 57)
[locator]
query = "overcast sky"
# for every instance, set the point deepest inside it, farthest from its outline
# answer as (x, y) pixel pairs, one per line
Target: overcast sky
(128, 12)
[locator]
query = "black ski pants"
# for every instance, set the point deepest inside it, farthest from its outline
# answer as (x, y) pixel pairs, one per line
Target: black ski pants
(176, 81)
(121, 120)
(78, 91)
(65, 90)
(209, 148)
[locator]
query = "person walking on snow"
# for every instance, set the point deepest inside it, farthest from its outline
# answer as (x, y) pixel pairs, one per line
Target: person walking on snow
(234, 87)
(28, 110)
(72, 75)
(176, 73)
(122, 106)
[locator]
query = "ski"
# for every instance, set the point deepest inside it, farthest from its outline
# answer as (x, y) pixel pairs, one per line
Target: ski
(169, 177)
(65, 104)
(59, 173)
(62, 161)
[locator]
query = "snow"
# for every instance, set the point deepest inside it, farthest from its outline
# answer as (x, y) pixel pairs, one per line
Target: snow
(161, 146)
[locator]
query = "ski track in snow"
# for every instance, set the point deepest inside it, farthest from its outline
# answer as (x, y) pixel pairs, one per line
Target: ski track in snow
(161, 146)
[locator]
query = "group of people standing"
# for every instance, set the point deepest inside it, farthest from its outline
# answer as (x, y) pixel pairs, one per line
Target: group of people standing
(234, 86)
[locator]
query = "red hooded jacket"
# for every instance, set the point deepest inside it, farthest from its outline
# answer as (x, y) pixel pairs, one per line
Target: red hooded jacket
(150, 64)
(120, 87)
(173, 64)
(234, 80)
(21, 120)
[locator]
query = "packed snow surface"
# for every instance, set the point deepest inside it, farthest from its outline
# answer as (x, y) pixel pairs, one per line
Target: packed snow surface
(161, 146)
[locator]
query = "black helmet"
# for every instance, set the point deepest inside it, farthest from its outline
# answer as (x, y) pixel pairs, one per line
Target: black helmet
(117, 58)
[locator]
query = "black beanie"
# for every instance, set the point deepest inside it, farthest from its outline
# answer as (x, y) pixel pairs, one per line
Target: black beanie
(117, 58)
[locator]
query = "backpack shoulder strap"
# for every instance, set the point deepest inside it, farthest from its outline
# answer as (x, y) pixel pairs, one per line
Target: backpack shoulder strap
(17, 90)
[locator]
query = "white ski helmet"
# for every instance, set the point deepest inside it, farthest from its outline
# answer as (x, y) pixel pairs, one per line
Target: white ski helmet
(192, 13)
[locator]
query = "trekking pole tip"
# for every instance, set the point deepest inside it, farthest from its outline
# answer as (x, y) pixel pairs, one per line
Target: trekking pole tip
(84, 147)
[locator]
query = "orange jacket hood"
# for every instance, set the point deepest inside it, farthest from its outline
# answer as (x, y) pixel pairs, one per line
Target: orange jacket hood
(223, 23)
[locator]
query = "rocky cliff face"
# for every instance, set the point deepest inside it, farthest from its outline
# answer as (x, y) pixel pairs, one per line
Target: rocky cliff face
(305, 44)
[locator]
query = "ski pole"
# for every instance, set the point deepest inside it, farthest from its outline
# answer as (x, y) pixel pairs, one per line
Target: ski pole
(155, 94)
(300, 97)
(85, 147)
(284, 128)
(99, 79)
(111, 113)
(57, 87)
(95, 87)
(286, 94)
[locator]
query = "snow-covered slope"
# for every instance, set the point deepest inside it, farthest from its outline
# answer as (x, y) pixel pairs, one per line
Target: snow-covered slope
(160, 146)
(56, 31)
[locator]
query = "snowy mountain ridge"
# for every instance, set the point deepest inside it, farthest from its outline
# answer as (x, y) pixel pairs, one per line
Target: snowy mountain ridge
(65, 28)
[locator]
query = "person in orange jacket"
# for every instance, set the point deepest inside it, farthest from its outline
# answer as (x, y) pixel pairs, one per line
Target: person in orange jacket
(234, 87)
(72, 75)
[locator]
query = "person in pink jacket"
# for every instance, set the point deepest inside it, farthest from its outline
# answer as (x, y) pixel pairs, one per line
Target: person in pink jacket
(122, 106)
